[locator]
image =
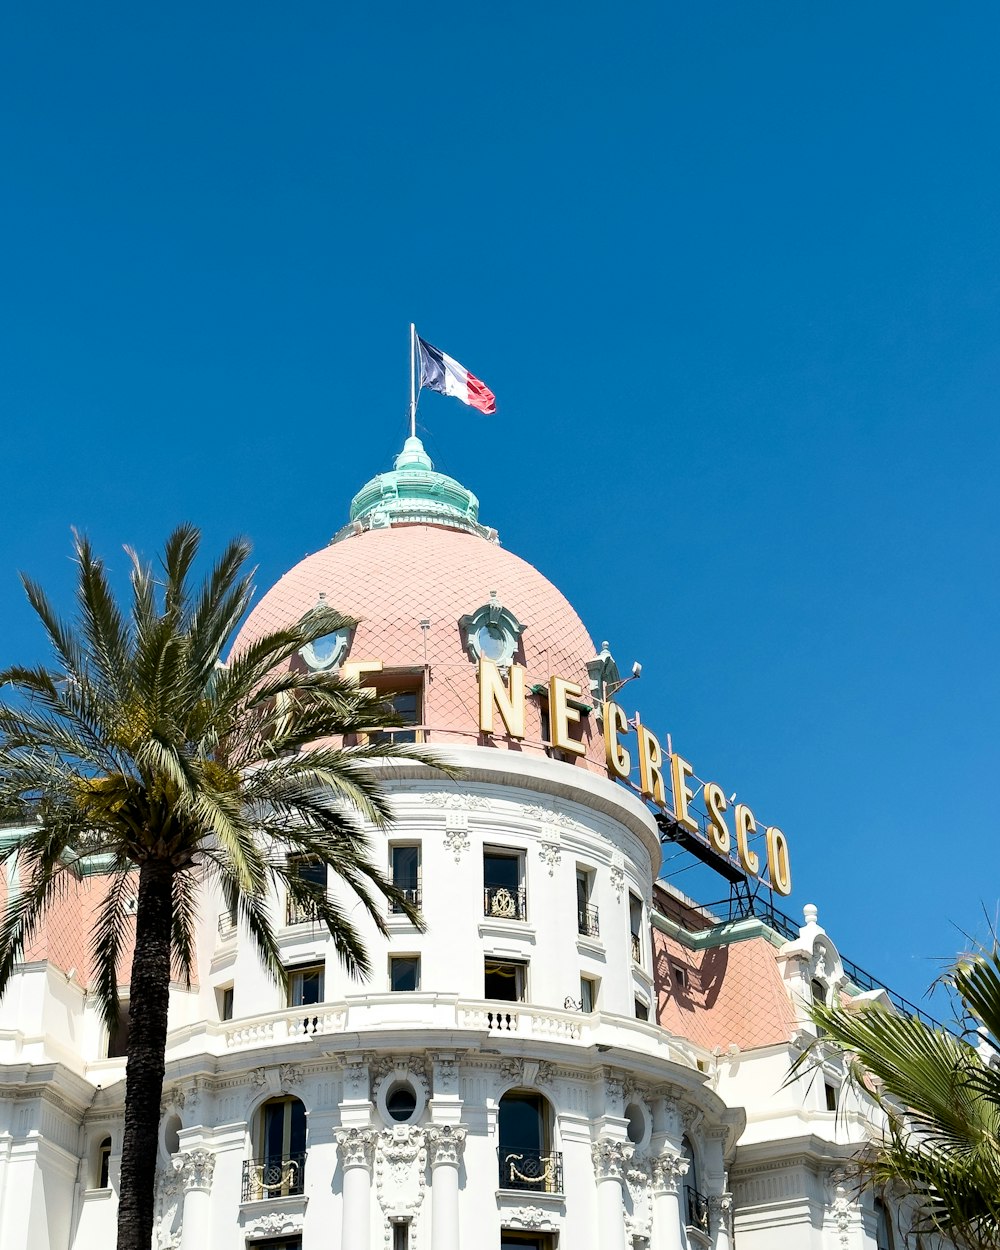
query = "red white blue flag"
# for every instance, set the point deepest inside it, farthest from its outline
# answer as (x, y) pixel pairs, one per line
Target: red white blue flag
(439, 372)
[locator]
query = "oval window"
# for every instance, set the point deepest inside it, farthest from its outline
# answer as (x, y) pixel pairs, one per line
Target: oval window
(401, 1101)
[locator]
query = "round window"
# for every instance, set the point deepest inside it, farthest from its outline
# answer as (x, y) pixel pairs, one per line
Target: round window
(171, 1134)
(401, 1101)
(492, 642)
(638, 1124)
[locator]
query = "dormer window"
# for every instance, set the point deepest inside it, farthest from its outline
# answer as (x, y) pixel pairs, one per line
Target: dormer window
(492, 633)
(328, 652)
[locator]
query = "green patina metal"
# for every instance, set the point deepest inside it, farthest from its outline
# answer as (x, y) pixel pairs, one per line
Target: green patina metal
(414, 494)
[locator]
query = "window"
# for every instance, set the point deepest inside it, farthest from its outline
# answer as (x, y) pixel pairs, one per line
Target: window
(404, 973)
(527, 1160)
(696, 1204)
(503, 882)
(305, 985)
(401, 1235)
(224, 994)
(103, 1164)
(313, 871)
(504, 981)
(118, 1036)
(588, 993)
(635, 925)
(883, 1226)
(830, 1092)
(278, 1243)
(405, 866)
(402, 693)
(401, 1101)
(818, 991)
(587, 919)
(278, 1167)
(680, 976)
(510, 1240)
(641, 1009)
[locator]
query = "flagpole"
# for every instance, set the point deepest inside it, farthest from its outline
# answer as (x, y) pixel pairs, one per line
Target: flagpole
(413, 383)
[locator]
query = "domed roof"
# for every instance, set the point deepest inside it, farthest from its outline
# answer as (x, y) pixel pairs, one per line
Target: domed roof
(409, 586)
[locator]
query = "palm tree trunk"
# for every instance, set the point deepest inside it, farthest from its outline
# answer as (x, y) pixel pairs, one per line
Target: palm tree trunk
(147, 1040)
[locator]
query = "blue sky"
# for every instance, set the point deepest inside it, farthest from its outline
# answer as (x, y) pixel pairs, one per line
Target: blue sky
(733, 273)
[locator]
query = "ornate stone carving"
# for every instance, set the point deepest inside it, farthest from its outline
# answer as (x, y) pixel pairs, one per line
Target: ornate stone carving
(172, 1100)
(528, 1217)
(400, 1171)
(546, 1073)
(614, 1092)
(445, 1143)
(356, 1080)
(510, 1069)
(669, 1171)
(274, 1223)
(289, 1074)
(618, 880)
(841, 1209)
(451, 799)
(445, 1072)
(357, 1147)
(611, 1158)
(258, 1077)
(167, 1219)
(195, 1168)
(692, 1116)
(720, 1207)
(637, 1178)
(456, 834)
(550, 853)
(550, 816)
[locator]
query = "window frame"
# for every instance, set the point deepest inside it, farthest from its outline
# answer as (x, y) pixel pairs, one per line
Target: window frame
(400, 957)
(417, 889)
(494, 910)
(295, 970)
(520, 978)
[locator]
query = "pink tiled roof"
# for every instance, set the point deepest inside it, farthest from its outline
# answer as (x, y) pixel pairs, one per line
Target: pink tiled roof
(391, 579)
(734, 993)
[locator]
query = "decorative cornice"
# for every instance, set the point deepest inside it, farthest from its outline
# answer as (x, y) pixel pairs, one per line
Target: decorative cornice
(445, 1145)
(528, 1217)
(274, 1223)
(357, 1147)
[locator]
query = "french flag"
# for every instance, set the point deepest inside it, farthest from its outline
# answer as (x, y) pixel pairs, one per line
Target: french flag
(439, 372)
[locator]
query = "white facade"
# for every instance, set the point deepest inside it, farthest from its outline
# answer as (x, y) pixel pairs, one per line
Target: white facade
(507, 1094)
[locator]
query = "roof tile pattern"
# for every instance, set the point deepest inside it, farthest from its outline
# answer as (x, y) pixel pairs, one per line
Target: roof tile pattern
(733, 994)
(392, 579)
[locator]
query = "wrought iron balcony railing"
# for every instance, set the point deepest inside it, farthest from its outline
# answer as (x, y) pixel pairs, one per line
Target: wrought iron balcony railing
(636, 948)
(299, 913)
(412, 896)
(697, 1209)
(501, 903)
(273, 1177)
(531, 1170)
(588, 921)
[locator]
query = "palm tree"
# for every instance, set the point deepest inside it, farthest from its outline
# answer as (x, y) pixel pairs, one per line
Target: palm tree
(940, 1095)
(141, 746)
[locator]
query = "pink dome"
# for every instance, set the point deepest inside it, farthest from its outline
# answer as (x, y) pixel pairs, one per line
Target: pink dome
(391, 579)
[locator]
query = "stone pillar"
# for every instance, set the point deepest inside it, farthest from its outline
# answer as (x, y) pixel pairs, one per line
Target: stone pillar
(195, 1168)
(445, 1144)
(357, 1148)
(721, 1213)
(610, 1161)
(669, 1171)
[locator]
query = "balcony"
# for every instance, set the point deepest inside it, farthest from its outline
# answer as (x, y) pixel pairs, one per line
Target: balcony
(299, 913)
(499, 903)
(412, 896)
(227, 924)
(531, 1170)
(588, 921)
(274, 1177)
(636, 949)
(697, 1209)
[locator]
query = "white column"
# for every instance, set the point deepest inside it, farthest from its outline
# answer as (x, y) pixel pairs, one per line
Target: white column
(610, 1161)
(721, 1209)
(357, 1147)
(445, 1144)
(196, 1168)
(668, 1176)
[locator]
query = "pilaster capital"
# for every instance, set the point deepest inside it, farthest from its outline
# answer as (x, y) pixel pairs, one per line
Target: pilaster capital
(611, 1158)
(357, 1147)
(195, 1168)
(668, 1172)
(445, 1144)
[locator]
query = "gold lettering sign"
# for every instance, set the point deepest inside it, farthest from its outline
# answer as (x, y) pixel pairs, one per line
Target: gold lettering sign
(507, 700)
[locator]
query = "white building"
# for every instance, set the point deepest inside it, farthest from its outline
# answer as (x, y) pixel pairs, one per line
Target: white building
(570, 1055)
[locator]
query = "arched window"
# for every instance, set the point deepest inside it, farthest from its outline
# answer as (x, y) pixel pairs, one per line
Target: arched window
(883, 1226)
(527, 1160)
(279, 1163)
(818, 990)
(102, 1164)
(696, 1204)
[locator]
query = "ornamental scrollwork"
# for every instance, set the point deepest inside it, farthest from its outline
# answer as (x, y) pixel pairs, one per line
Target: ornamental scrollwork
(357, 1147)
(611, 1158)
(446, 1144)
(195, 1168)
(669, 1171)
